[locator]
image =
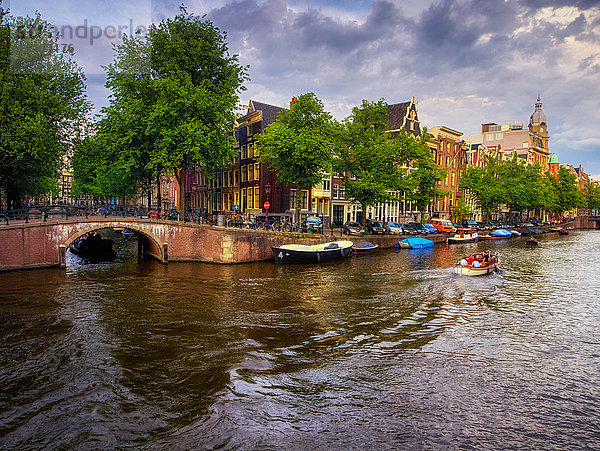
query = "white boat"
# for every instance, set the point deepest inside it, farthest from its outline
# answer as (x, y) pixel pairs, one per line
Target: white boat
(317, 253)
(477, 264)
(464, 236)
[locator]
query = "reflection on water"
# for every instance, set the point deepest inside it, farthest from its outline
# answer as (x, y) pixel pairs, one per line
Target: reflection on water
(388, 350)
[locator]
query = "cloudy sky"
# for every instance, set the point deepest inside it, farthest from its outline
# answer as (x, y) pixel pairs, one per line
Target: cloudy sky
(466, 62)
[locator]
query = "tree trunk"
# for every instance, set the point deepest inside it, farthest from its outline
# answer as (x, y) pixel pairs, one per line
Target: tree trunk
(13, 201)
(363, 219)
(150, 196)
(158, 196)
(298, 208)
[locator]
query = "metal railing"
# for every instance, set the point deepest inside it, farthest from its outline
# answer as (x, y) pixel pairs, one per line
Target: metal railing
(44, 213)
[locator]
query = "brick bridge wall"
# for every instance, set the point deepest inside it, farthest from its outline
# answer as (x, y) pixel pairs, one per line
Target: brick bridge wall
(45, 243)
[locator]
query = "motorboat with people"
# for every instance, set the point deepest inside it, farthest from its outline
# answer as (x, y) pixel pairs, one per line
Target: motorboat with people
(364, 247)
(477, 264)
(466, 235)
(533, 241)
(93, 247)
(316, 253)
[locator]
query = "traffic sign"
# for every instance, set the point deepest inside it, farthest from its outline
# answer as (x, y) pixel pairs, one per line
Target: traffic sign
(267, 205)
(236, 207)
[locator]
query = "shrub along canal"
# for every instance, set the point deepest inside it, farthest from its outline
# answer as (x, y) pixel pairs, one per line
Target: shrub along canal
(390, 350)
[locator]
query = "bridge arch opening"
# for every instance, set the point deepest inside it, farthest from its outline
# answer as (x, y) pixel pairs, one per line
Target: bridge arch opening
(149, 246)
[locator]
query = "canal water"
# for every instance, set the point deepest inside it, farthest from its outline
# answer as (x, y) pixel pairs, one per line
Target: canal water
(389, 351)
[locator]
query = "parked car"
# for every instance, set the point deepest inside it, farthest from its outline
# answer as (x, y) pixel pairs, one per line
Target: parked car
(410, 229)
(469, 224)
(393, 228)
(419, 227)
(374, 227)
(443, 225)
(312, 225)
(353, 228)
(431, 228)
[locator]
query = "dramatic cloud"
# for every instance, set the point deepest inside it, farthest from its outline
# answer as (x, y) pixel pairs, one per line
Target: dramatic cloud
(466, 61)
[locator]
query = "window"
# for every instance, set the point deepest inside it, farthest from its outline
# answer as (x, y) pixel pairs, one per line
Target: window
(250, 150)
(235, 178)
(342, 191)
(489, 137)
(230, 178)
(304, 201)
(250, 173)
(244, 200)
(256, 197)
(244, 152)
(335, 191)
(256, 171)
(326, 185)
(244, 173)
(292, 199)
(256, 151)
(499, 135)
(236, 197)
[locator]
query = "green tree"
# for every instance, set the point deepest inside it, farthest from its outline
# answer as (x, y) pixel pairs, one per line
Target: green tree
(462, 209)
(566, 192)
(523, 186)
(372, 162)
(173, 114)
(425, 173)
(42, 103)
(298, 145)
(591, 196)
(484, 185)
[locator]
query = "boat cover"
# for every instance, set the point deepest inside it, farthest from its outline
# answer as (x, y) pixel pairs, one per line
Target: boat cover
(501, 232)
(418, 243)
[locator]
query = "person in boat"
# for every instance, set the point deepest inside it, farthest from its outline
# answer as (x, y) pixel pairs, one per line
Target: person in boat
(463, 262)
(486, 258)
(470, 260)
(476, 264)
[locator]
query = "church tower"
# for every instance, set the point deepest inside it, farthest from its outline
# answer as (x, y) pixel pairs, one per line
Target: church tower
(538, 135)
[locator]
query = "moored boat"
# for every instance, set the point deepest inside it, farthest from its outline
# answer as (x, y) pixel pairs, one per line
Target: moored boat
(477, 264)
(129, 234)
(563, 232)
(364, 247)
(463, 236)
(533, 242)
(317, 253)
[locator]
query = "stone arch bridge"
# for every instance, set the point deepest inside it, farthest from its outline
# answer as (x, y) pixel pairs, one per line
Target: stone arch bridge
(40, 244)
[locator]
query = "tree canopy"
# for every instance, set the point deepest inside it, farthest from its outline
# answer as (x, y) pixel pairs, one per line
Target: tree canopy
(42, 104)
(298, 145)
(371, 162)
(174, 94)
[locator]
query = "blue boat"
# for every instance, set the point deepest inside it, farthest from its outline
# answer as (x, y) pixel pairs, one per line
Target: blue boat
(500, 233)
(415, 243)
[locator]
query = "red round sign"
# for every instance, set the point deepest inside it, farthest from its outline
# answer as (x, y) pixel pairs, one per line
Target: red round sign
(267, 205)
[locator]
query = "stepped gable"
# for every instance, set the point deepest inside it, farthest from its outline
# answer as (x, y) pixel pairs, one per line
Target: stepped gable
(396, 115)
(268, 112)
